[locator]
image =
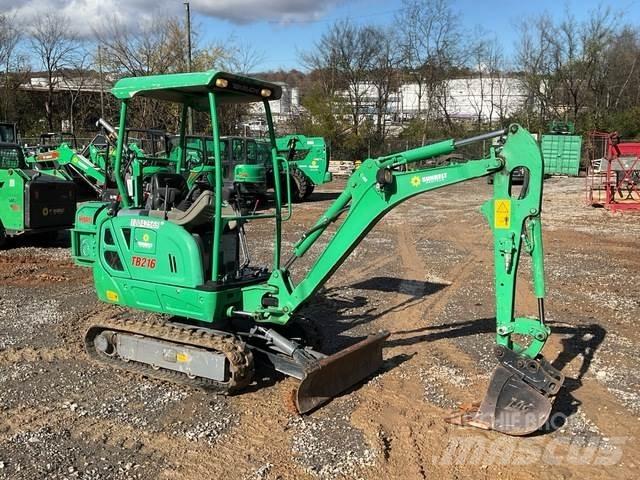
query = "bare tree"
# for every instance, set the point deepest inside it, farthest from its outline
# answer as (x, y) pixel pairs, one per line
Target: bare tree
(576, 54)
(534, 63)
(478, 88)
(242, 58)
(55, 46)
(431, 43)
(349, 52)
(77, 82)
(563, 65)
(501, 96)
(143, 50)
(384, 75)
(620, 77)
(9, 38)
(489, 88)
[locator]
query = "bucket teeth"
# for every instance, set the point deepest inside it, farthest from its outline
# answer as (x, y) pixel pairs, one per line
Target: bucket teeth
(519, 397)
(328, 377)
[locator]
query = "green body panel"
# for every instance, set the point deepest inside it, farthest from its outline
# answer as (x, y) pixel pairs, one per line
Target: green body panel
(311, 157)
(245, 173)
(12, 185)
(83, 236)
(143, 276)
(146, 263)
(562, 154)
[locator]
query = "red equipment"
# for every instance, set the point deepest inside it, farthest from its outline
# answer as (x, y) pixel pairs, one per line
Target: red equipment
(613, 176)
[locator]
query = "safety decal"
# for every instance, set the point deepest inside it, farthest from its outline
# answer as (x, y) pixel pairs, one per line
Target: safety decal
(502, 214)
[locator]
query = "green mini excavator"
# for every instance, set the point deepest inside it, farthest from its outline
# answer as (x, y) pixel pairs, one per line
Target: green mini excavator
(181, 251)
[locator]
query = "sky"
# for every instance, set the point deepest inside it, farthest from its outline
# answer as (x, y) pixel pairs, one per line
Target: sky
(282, 29)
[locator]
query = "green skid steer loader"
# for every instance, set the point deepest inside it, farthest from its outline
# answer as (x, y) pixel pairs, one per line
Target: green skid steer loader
(183, 254)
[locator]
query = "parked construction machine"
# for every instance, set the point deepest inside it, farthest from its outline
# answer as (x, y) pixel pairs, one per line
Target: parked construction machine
(32, 201)
(243, 163)
(58, 154)
(182, 253)
(91, 167)
(308, 163)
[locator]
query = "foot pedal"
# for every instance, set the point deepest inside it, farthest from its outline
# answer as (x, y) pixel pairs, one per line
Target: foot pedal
(326, 378)
(519, 398)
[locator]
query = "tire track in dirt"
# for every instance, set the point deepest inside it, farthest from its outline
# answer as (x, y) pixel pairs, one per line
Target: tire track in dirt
(434, 305)
(406, 421)
(386, 413)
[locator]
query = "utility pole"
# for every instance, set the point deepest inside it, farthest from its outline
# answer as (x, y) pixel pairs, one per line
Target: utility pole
(101, 82)
(188, 24)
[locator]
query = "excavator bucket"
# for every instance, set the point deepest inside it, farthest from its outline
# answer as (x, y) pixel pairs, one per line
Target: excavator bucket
(332, 375)
(519, 397)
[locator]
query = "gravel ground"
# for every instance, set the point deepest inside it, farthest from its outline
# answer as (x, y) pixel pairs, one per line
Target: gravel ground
(425, 274)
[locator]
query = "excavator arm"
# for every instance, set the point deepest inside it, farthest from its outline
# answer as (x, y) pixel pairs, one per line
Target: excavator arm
(517, 402)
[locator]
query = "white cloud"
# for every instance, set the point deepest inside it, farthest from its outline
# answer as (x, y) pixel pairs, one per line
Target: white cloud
(87, 15)
(246, 11)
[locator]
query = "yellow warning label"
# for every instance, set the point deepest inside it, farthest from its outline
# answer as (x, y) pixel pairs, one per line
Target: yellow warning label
(112, 296)
(502, 213)
(182, 357)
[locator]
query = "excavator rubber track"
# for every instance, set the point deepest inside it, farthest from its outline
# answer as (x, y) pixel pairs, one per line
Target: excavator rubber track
(239, 357)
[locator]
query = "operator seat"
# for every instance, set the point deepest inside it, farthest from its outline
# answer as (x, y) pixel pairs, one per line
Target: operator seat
(200, 212)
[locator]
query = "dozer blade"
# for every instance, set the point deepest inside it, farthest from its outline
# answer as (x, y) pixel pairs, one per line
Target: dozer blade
(519, 397)
(332, 375)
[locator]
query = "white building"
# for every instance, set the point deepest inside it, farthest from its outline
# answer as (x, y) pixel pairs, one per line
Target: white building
(485, 98)
(488, 98)
(287, 106)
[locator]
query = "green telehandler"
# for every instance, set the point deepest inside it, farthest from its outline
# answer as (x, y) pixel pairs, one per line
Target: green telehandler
(308, 163)
(182, 253)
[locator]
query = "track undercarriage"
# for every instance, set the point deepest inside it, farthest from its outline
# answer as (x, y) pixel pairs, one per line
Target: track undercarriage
(165, 350)
(221, 362)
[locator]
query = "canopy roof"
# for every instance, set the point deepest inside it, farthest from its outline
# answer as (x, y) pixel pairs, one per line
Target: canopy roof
(193, 88)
